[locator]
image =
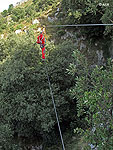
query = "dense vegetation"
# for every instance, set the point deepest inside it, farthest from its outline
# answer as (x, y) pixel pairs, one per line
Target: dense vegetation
(93, 90)
(72, 11)
(83, 94)
(87, 11)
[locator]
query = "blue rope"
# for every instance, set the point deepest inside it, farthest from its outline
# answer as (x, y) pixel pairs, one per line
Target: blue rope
(53, 101)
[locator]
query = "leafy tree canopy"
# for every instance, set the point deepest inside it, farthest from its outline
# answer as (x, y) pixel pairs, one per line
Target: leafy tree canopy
(93, 90)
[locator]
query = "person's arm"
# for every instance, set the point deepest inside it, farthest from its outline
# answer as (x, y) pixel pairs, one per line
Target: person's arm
(38, 41)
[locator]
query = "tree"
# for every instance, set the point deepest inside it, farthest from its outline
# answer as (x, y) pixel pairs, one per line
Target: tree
(24, 92)
(18, 13)
(91, 12)
(4, 13)
(10, 9)
(93, 91)
(6, 138)
(30, 11)
(3, 23)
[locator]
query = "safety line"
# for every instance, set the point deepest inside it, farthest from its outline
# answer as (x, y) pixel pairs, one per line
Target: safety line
(53, 101)
(79, 25)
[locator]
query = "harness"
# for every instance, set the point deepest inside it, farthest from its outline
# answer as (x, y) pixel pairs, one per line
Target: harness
(42, 45)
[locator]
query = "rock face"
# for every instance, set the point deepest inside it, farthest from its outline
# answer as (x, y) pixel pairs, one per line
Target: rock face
(100, 57)
(53, 18)
(9, 19)
(58, 9)
(67, 35)
(36, 147)
(35, 21)
(92, 147)
(111, 50)
(18, 31)
(95, 52)
(39, 30)
(19, 3)
(40, 147)
(2, 36)
(50, 19)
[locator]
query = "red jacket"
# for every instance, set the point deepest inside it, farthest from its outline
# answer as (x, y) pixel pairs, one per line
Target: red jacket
(41, 39)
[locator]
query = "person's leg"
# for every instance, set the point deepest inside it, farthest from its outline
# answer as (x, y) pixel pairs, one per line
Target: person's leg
(43, 53)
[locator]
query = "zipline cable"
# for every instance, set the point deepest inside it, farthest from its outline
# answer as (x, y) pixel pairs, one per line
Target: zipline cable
(79, 25)
(53, 101)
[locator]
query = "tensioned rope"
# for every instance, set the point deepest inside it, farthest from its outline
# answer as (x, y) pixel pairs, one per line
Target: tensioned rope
(79, 25)
(53, 101)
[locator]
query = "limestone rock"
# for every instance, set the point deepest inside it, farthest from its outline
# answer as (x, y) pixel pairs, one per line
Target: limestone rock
(35, 21)
(2, 36)
(18, 31)
(51, 19)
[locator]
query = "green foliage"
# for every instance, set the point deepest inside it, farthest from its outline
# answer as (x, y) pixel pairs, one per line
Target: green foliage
(26, 103)
(34, 26)
(41, 4)
(18, 13)
(30, 11)
(26, 108)
(61, 32)
(5, 135)
(7, 12)
(91, 12)
(3, 23)
(73, 12)
(14, 18)
(4, 13)
(6, 138)
(10, 9)
(11, 26)
(93, 91)
(20, 26)
(3, 50)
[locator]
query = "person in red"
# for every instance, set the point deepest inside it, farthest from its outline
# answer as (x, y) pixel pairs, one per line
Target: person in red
(41, 41)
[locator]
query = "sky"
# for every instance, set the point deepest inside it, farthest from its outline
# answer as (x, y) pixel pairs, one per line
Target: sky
(4, 4)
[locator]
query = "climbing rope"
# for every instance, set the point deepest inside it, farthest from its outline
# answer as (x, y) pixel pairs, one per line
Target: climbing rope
(79, 25)
(53, 101)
